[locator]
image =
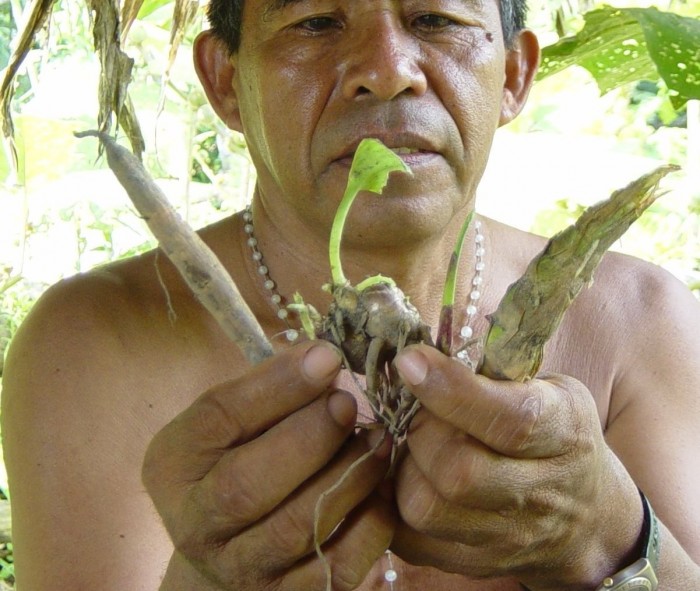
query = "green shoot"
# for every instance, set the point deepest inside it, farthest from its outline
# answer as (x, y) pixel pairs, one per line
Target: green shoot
(371, 166)
(444, 337)
(374, 280)
(304, 311)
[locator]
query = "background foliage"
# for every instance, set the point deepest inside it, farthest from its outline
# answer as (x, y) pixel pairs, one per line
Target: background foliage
(61, 211)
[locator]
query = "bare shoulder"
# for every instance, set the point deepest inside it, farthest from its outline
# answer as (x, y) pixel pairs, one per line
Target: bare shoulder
(632, 314)
(101, 363)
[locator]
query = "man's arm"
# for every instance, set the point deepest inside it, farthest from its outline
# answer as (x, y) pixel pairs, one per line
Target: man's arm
(235, 472)
(518, 479)
(74, 436)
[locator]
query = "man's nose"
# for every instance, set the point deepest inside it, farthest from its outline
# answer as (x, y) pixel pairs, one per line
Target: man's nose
(383, 61)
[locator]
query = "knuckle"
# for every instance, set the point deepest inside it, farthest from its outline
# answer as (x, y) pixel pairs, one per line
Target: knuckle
(151, 468)
(290, 534)
(217, 422)
(453, 476)
(419, 509)
(190, 542)
(237, 493)
(346, 577)
(522, 435)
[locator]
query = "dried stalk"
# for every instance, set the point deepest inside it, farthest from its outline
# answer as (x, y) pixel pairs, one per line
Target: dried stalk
(198, 265)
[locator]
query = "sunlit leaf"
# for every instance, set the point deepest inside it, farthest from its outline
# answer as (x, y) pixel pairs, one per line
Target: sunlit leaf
(150, 6)
(38, 14)
(622, 45)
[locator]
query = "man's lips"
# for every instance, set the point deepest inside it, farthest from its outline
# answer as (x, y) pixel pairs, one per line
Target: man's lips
(410, 151)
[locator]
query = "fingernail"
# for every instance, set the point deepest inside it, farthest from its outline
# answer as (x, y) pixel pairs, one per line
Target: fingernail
(412, 367)
(321, 362)
(341, 406)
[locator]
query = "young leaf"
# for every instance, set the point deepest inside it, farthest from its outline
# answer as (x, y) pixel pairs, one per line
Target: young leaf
(370, 169)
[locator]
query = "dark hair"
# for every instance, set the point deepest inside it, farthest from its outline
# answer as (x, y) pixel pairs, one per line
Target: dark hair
(225, 20)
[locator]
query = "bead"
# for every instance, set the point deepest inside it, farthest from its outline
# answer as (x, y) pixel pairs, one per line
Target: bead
(466, 332)
(390, 575)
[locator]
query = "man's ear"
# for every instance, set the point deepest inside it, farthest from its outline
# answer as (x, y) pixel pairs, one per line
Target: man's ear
(522, 60)
(212, 62)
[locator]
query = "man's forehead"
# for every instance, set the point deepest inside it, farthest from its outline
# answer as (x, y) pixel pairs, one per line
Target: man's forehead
(270, 6)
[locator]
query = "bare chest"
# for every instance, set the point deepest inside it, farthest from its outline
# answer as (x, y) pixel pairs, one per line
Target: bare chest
(392, 574)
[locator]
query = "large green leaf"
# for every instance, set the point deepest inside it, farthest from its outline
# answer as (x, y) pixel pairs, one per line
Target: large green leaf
(622, 45)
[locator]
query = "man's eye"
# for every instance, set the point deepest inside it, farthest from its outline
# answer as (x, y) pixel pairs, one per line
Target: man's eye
(433, 22)
(318, 24)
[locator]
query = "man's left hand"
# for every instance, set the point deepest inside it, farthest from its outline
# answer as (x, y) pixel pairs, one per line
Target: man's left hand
(504, 478)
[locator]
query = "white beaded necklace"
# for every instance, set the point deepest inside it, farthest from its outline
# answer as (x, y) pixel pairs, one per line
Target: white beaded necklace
(292, 334)
(466, 332)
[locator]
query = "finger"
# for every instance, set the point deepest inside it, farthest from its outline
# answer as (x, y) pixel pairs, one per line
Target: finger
(289, 532)
(423, 509)
(237, 411)
(532, 419)
(252, 479)
(461, 469)
(349, 556)
(479, 561)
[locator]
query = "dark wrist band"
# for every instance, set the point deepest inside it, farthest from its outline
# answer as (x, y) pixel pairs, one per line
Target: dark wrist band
(641, 574)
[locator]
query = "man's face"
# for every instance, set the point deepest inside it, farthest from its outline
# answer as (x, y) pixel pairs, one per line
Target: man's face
(314, 77)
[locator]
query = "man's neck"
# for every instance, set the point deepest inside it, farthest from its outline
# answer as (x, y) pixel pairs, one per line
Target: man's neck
(297, 257)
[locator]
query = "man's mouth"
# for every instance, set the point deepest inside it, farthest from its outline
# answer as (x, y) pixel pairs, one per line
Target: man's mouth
(402, 151)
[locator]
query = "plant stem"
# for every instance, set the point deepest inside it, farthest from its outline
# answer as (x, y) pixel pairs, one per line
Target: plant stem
(444, 336)
(370, 169)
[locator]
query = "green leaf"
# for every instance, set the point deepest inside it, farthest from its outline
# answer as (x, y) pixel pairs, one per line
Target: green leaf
(622, 45)
(371, 166)
(150, 6)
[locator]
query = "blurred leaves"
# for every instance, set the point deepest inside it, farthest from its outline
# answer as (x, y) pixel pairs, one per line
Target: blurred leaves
(115, 74)
(38, 14)
(622, 45)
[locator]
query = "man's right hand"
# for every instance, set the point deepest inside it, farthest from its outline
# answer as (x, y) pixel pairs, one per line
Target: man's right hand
(237, 476)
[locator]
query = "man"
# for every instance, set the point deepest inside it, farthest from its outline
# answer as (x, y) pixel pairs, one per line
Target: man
(502, 485)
